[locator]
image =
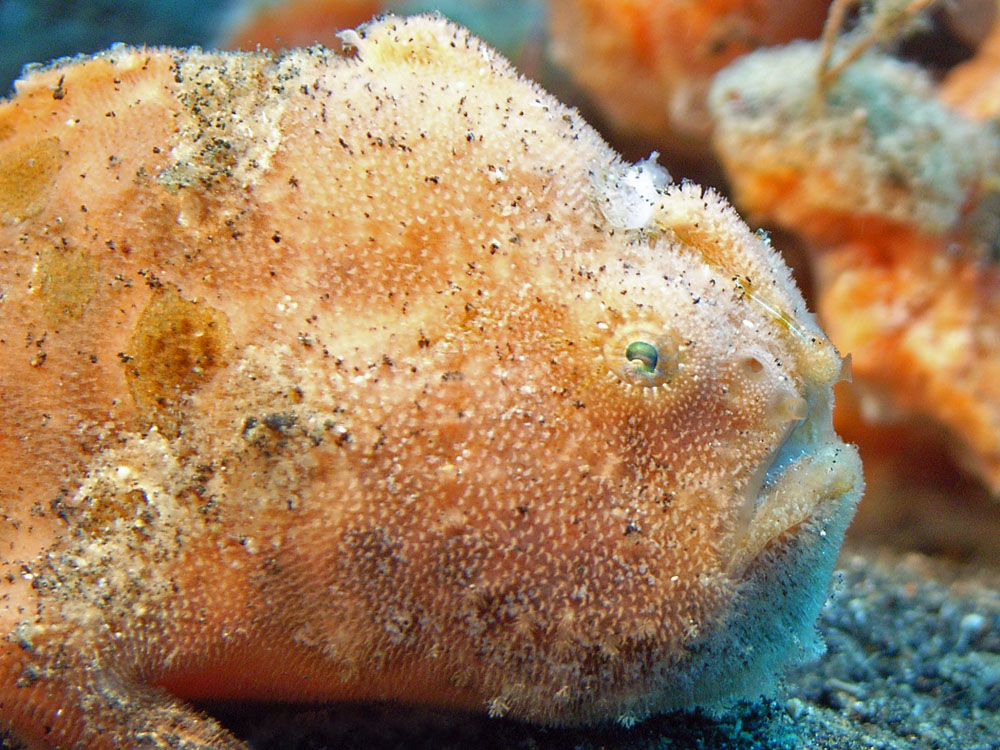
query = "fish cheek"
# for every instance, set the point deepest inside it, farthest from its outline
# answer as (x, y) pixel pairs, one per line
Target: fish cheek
(685, 445)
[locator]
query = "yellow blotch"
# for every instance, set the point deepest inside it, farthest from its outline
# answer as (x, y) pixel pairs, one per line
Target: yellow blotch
(26, 176)
(69, 278)
(178, 346)
(416, 42)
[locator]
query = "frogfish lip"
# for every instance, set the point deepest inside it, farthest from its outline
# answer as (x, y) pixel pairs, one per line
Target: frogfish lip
(810, 472)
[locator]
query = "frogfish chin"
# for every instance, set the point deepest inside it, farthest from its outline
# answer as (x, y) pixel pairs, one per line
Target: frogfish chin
(382, 376)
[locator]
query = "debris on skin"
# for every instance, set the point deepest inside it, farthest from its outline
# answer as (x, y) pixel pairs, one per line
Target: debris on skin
(351, 378)
(927, 169)
(912, 661)
(34, 31)
(892, 620)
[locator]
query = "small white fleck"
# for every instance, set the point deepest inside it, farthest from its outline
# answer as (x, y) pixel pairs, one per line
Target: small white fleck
(628, 198)
(349, 38)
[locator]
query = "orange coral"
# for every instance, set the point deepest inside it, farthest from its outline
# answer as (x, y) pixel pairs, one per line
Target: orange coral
(299, 23)
(895, 193)
(923, 327)
(648, 63)
(384, 377)
(974, 87)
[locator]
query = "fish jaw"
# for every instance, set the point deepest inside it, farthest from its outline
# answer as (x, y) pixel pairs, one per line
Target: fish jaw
(780, 591)
(807, 471)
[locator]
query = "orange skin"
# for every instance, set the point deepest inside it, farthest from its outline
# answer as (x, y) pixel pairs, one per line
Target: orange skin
(373, 378)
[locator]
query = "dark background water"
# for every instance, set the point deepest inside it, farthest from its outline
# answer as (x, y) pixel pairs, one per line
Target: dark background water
(36, 31)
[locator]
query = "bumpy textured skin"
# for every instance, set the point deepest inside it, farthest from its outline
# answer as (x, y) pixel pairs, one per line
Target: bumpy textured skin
(314, 388)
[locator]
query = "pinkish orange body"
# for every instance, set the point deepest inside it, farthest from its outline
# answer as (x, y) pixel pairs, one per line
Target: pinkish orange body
(385, 378)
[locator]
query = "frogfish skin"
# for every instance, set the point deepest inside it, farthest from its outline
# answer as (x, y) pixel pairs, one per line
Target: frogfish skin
(381, 376)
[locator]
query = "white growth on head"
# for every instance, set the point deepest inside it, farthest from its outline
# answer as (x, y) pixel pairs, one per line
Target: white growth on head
(628, 197)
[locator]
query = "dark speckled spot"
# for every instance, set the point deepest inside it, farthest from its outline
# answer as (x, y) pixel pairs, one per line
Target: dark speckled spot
(177, 346)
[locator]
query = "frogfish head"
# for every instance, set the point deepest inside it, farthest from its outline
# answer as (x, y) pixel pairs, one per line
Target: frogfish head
(598, 476)
(702, 493)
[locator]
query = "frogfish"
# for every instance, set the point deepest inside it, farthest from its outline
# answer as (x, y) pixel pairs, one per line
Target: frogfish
(380, 376)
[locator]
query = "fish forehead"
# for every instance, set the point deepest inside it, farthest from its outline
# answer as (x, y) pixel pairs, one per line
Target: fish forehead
(345, 160)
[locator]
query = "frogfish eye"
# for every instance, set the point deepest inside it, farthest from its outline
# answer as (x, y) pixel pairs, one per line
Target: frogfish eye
(642, 354)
